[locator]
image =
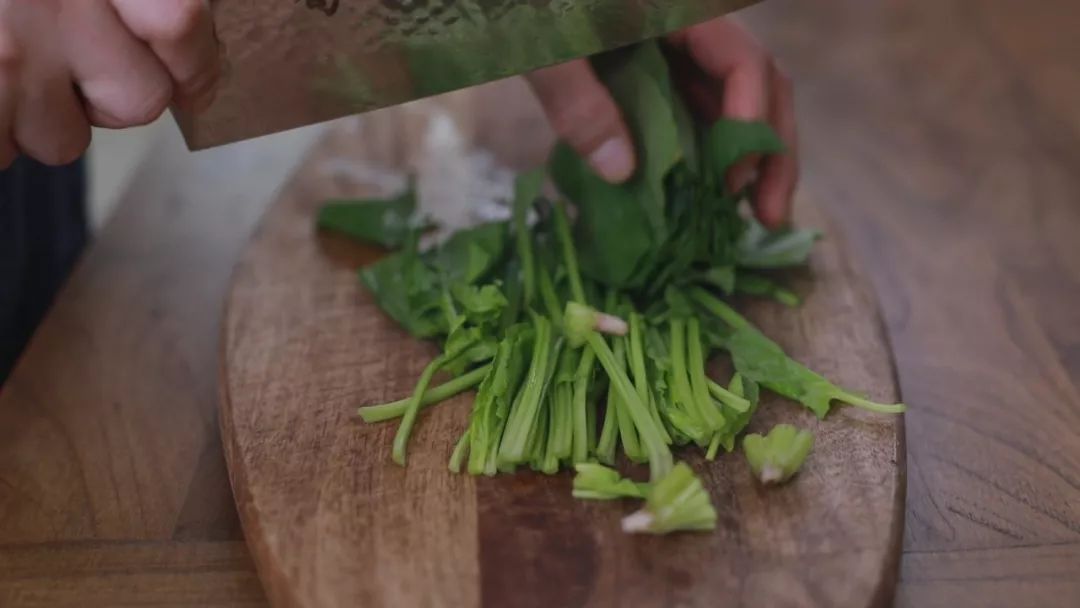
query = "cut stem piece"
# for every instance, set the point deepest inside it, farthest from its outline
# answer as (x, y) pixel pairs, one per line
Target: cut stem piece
(446, 390)
(401, 439)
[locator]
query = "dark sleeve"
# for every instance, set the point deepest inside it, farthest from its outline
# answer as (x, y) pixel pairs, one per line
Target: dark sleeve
(42, 232)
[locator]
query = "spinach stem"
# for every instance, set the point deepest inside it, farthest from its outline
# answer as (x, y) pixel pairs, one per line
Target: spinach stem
(446, 390)
(458, 455)
(660, 459)
(735, 402)
(866, 404)
(627, 433)
(582, 377)
(525, 252)
(609, 433)
(714, 447)
(550, 299)
(719, 308)
(520, 426)
(698, 384)
(401, 439)
(681, 391)
(562, 229)
(641, 377)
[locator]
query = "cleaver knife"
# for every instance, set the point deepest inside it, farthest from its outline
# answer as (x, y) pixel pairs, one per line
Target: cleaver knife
(291, 63)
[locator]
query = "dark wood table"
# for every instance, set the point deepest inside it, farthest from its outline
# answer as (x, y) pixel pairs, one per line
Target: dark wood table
(944, 136)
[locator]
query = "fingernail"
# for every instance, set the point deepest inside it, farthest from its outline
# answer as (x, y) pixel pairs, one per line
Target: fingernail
(613, 160)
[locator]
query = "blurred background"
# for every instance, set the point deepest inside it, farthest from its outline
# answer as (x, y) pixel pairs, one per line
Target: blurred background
(114, 156)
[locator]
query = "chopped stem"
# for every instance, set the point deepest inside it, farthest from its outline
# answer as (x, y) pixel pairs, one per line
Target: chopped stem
(562, 229)
(449, 311)
(581, 397)
(680, 386)
(660, 459)
(866, 404)
(714, 447)
(698, 383)
(458, 454)
(446, 390)
(735, 402)
(605, 449)
(525, 253)
(491, 463)
(564, 399)
(550, 299)
(542, 427)
(516, 435)
(401, 439)
(627, 433)
(719, 308)
(537, 441)
(641, 378)
(590, 422)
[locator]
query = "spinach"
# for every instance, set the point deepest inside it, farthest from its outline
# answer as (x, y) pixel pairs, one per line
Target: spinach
(756, 285)
(677, 501)
(613, 234)
(763, 361)
(727, 141)
(776, 457)
(387, 223)
(597, 482)
(759, 248)
(492, 403)
(620, 227)
(482, 306)
(510, 304)
(471, 255)
(526, 189)
(407, 290)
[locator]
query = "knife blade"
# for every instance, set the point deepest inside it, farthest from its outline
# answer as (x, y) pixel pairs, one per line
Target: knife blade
(291, 63)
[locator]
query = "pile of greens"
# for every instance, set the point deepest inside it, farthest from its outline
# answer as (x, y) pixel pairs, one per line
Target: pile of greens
(585, 336)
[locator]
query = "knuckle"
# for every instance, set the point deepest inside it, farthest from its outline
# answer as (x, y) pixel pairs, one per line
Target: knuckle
(177, 20)
(782, 78)
(67, 150)
(145, 108)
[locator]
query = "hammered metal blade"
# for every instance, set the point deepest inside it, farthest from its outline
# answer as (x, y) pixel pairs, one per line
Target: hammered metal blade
(291, 63)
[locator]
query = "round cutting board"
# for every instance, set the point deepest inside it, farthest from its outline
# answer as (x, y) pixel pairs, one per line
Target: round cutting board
(333, 522)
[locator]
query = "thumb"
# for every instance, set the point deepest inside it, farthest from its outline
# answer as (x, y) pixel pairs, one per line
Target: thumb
(585, 116)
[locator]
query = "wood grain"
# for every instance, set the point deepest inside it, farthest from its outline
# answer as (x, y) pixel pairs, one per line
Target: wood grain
(332, 522)
(129, 573)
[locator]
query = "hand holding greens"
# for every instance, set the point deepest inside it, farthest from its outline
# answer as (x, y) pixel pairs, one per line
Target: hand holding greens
(593, 329)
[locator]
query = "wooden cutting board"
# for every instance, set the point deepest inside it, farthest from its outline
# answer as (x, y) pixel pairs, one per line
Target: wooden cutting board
(332, 522)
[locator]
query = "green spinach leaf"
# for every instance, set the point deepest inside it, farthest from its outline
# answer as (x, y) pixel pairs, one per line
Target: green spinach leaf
(407, 290)
(470, 255)
(728, 141)
(759, 248)
(386, 223)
